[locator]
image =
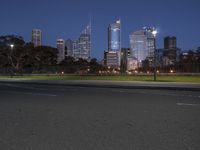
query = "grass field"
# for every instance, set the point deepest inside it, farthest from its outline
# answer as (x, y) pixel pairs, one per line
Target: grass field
(171, 78)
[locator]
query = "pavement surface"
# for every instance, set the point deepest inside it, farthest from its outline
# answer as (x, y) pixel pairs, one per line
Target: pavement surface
(56, 117)
(188, 86)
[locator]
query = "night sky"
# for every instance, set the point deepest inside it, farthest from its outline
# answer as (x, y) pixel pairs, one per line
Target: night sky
(67, 18)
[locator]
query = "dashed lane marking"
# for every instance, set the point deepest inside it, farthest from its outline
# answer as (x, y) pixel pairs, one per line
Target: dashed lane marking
(187, 104)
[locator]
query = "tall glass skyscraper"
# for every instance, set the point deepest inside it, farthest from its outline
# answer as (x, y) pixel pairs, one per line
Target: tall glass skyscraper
(142, 44)
(82, 46)
(114, 36)
(37, 37)
(61, 50)
(112, 56)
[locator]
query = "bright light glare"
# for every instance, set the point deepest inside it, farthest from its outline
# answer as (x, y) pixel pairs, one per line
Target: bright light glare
(11, 45)
(154, 32)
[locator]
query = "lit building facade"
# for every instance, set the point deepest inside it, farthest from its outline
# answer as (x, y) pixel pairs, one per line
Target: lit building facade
(61, 50)
(114, 36)
(131, 63)
(37, 37)
(114, 44)
(111, 59)
(143, 44)
(82, 46)
(76, 50)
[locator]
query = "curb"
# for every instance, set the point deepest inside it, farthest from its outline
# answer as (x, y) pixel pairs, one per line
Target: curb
(97, 85)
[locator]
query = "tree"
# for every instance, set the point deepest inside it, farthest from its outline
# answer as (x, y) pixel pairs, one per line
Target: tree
(18, 55)
(95, 66)
(12, 51)
(68, 61)
(198, 50)
(44, 56)
(68, 65)
(145, 66)
(189, 61)
(198, 59)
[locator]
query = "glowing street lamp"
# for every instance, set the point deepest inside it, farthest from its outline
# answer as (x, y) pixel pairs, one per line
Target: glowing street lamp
(12, 46)
(155, 32)
(11, 52)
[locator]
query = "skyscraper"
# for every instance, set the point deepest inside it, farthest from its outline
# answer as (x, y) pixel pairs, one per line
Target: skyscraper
(114, 45)
(82, 47)
(128, 62)
(76, 50)
(37, 37)
(111, 59)
(69, 48)
(125, 53)
(170, 50)
(169, 42)
(142, 44)
(114, 36)
(61, 50)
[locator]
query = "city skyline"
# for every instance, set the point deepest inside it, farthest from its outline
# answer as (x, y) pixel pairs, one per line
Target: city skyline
(160, 14)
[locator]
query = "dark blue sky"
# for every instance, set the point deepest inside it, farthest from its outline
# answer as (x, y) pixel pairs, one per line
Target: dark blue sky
(67, 18)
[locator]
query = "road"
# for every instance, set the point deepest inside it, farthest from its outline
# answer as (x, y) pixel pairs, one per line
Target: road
(53, 117)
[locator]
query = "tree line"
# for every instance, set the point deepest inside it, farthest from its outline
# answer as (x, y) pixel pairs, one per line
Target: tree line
(17, 56)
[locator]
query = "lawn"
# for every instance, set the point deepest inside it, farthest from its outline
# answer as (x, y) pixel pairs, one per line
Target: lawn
(165, 78)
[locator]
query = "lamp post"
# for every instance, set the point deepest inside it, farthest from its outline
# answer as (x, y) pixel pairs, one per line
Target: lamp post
(154, 32)
(11, 47)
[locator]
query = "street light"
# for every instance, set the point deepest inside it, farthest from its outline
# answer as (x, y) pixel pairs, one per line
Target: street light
(11, 46)
(155, 32)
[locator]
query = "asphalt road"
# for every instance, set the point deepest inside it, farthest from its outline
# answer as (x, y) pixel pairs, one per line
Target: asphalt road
(42, 117)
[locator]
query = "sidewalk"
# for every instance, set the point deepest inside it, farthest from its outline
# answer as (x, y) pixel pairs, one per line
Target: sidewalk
(109, 84)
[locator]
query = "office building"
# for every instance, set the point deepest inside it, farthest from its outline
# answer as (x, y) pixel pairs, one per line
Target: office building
(131, 63)
(143, 45)
(61, 50)
(114, 44)
(76, 50)
(159, 57)
(125, 53)
(37, 37)
(114, 36)
(82, 46)
(69, 47)
(169, 42)
(111, 59)
(170, 51)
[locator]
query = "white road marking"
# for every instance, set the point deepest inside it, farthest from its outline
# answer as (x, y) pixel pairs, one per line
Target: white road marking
(28, 93)
(58, 88)
(187, 104)
(24, 87)
(160, 94)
